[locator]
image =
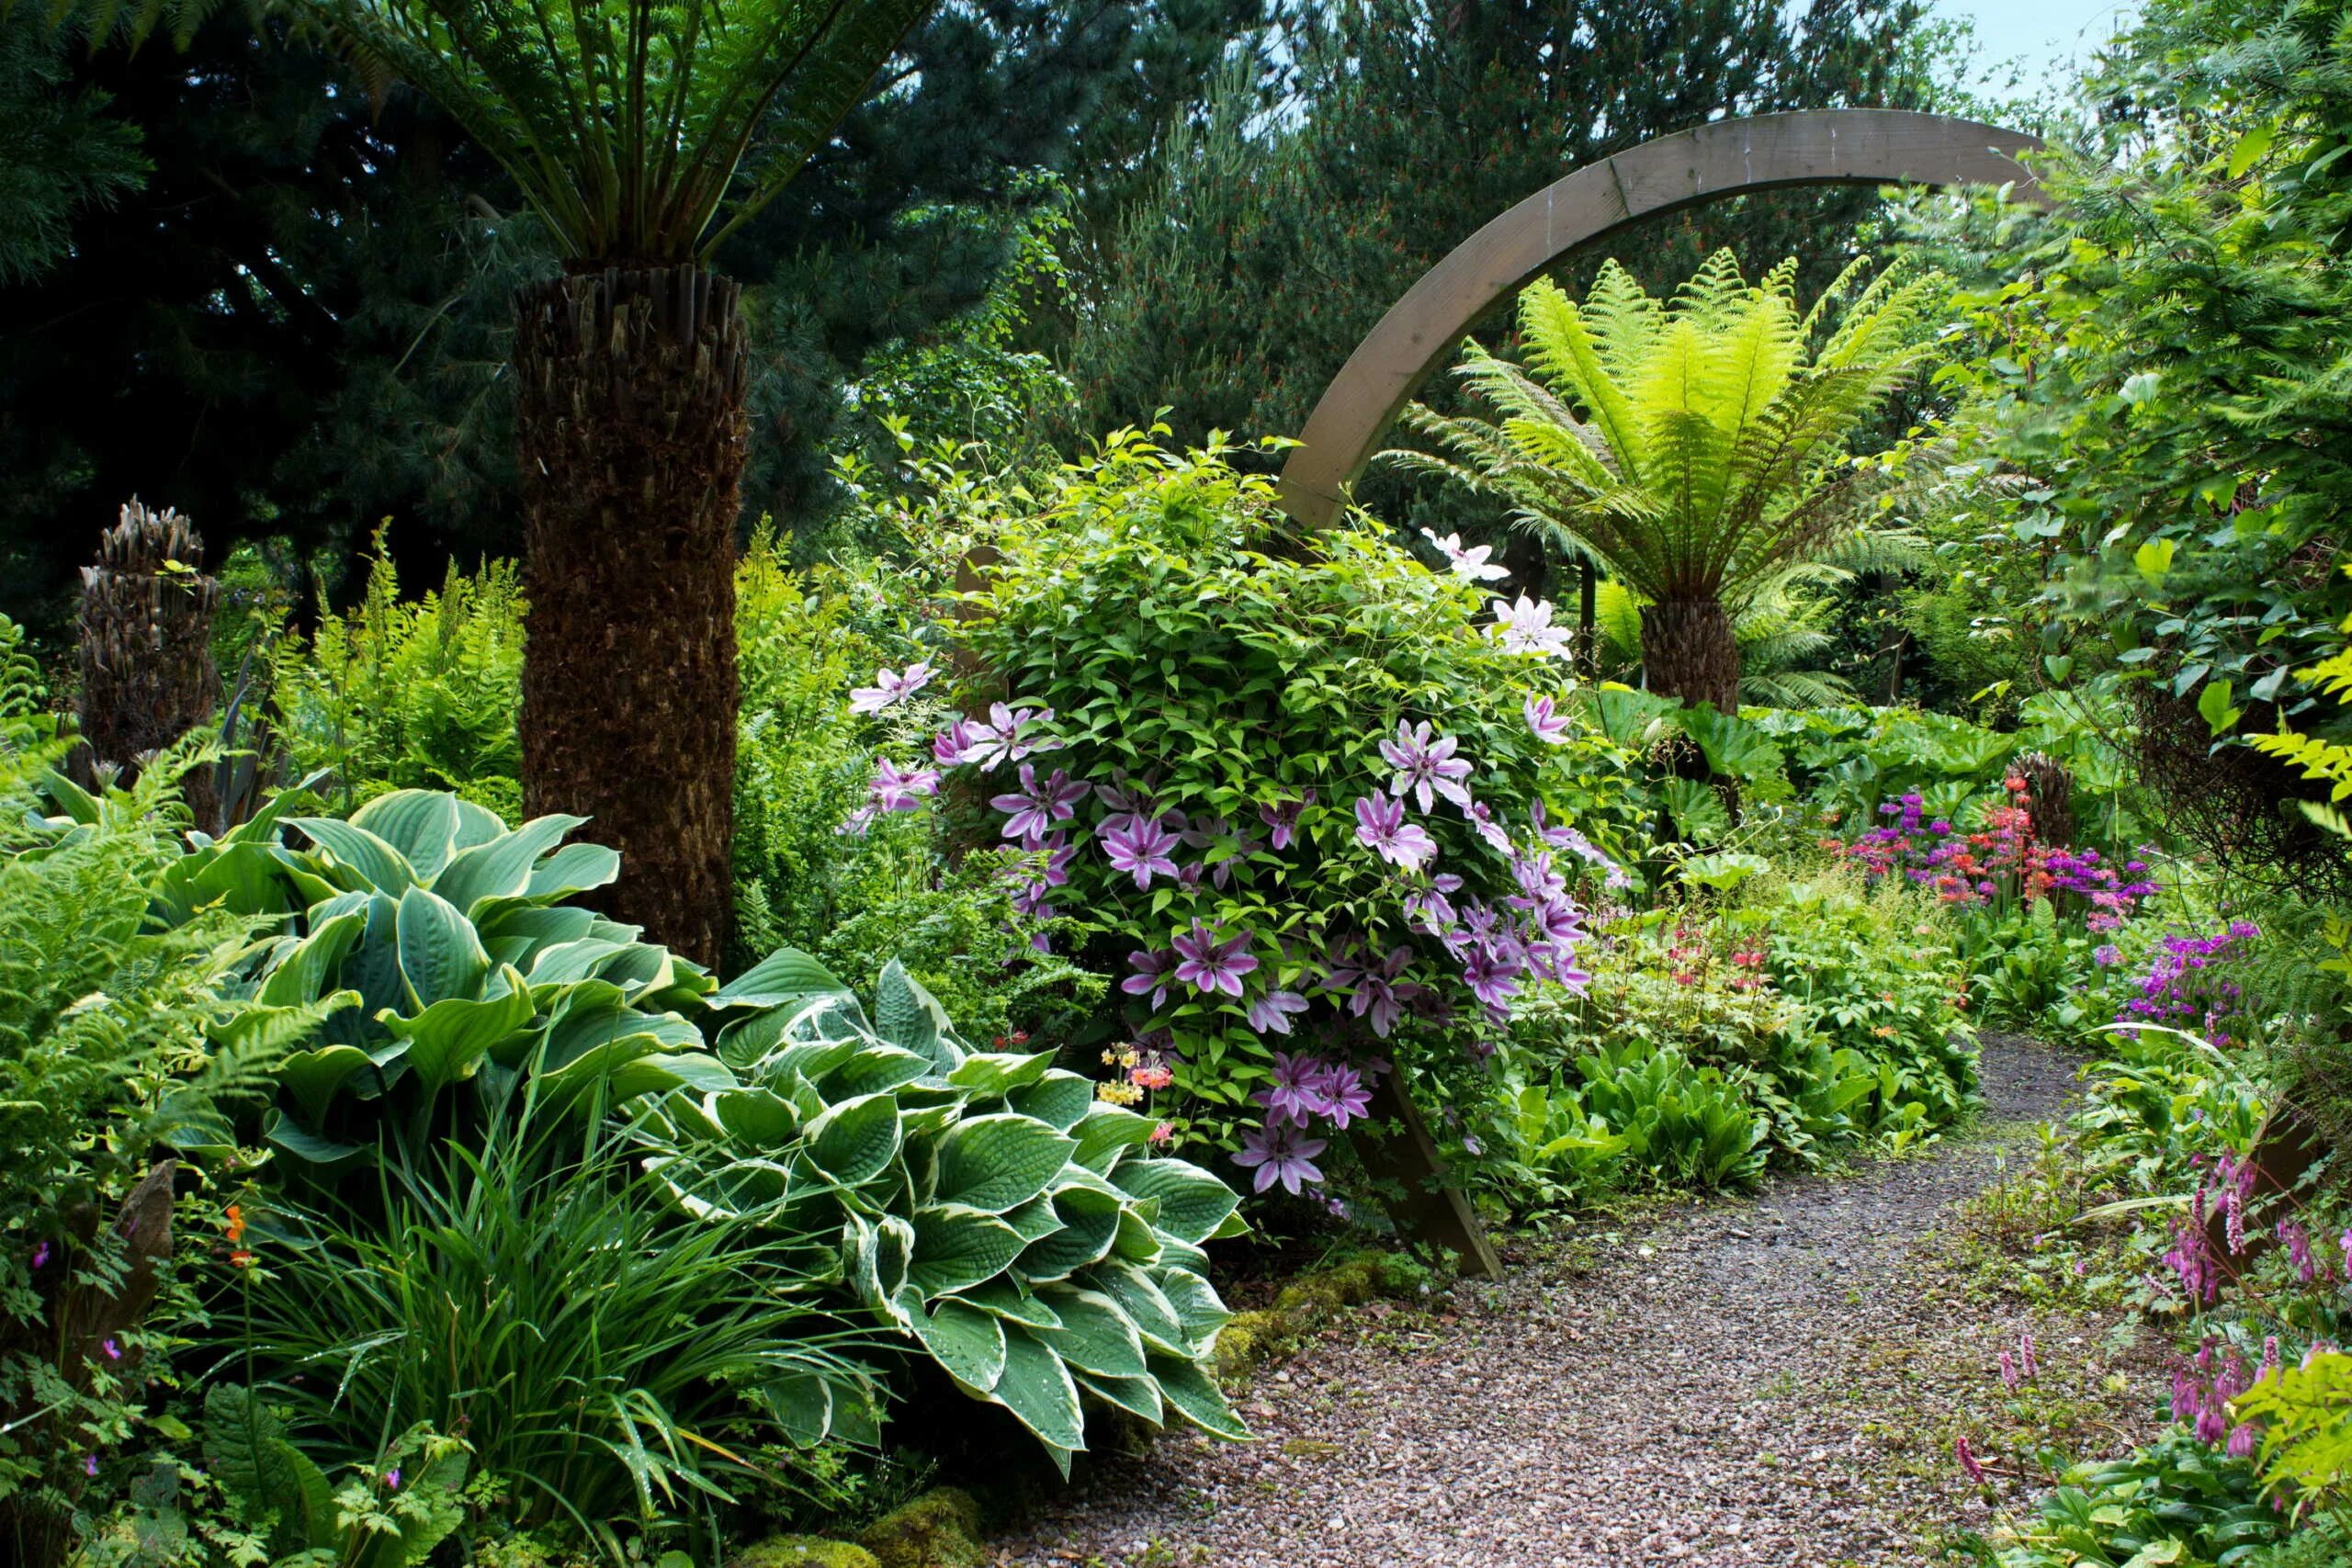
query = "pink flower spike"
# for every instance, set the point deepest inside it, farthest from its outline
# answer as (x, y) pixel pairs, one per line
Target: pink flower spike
(1968, 1460)
(2026, 1362)
(2008, 1372)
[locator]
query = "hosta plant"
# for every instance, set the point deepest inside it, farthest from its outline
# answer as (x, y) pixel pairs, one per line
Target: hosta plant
(1017, 1229)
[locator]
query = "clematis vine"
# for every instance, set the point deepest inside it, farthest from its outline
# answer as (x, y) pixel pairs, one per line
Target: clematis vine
(1426, 766)
(1209, 966)
(1033, 810)
(1526, 627)
(1281, 821)
(1381, 827)
(1470, 565)
(890, 688)
(1142, 848)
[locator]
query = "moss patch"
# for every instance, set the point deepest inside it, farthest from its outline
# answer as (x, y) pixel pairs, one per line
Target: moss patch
(1309, 1301)
(802, 1552)
(938, 1529)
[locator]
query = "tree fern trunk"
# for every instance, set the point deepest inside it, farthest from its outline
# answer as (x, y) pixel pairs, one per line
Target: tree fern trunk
(1690, 652)
(630, 426)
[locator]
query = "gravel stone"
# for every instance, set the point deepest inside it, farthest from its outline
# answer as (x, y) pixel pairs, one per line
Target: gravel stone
(1771, 1379)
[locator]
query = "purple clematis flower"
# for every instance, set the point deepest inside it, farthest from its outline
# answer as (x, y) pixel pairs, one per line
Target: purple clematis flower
(1346, 1097)
(1469, 565)
(1006, 737)
(890, 687)
(1036, 807)
(1209, 966)
(1140, 847)
(953, 744)
(1550, 727)
(1482, 817)
(1381, 825)
(1281, 821)
(1296, 1093)
(1425, 766)
(1526, 627)
(1280, 1154)
(1381, 994)
(1152, 973)
(1492, 975)
(1269, 1014)
(894, 788)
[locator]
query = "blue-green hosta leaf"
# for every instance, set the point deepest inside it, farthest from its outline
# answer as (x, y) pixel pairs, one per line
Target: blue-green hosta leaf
(477, 823)
(803, 1407)
(998, 1162)
(614, 1073)
(1234, 1225)
(871, 1068)
(987, 1074)
(501, 867)
(284, 1132)
(1145, 1304)
(1192, 1203)
(372, 968)
(1058, 1100)
(1089, 1225)
(1197, 1307)
(590, 1016)
(875, 1260)
(956, 1248)
(1107, 1132)
(905, 1014)
(1137, 1396)
(1008, 1301)
(315, 1077)
(307, 969)
(575, 868)
(421, 824)
(517, 934)
(1095, 1336)
(377, 865)
(857, 1140)
(1035, 1220)
(440, 955)
(755, 1118)
(1039, 1391)
(450, 1039)
(966, 1341)
(1137, 1242)
(1191, 1394)
(788, 975)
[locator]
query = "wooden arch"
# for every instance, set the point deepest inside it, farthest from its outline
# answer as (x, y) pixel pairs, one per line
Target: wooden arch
(1728, 157)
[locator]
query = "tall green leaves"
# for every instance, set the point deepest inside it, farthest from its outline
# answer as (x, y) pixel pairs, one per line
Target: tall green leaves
(631, 125)
(1695, 446)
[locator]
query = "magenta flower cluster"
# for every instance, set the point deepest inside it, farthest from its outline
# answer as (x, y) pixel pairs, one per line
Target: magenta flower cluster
(2187, 984)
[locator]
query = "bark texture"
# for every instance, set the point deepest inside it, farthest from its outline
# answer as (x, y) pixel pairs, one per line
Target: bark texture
(146, 650)
(1689, 651)
(630, 426)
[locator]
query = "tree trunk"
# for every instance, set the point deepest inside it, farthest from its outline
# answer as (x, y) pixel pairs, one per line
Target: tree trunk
(630, 426)
(146, 650)
(1690, 652)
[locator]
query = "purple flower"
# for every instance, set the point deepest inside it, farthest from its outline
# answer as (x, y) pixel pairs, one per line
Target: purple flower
(1470, 565)
(951, 745)
(1005, 737)
(2026, 1363)
(1425, 766)
(893, 788)
(2243, 1438)
(41, 1254)
(1526, 627)
(1296, 1093)
(90, 1461)
(1036, 807)
(1141, 848)
(1151, 974)
(2008, 1372)
(1492, 974)
(1550, 727)
(1269, 1014)
(889, 688)
(2107, 955)
(1381, 825)
(113, 1350)
(392, 1479)
(1381, 994)
(1346, 1097)
(1210, 965)
(1280, 1154)
(1281, 821)
(1968, 1460)
(1482, 817)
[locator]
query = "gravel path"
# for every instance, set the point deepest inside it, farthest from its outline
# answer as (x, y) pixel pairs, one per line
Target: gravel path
(1769, 1379)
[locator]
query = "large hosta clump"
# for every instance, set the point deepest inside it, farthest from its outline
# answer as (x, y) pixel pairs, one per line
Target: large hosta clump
(987, 1207)
(989, 1204)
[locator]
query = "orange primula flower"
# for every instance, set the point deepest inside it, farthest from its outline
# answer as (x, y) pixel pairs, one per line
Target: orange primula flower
(237, 1226)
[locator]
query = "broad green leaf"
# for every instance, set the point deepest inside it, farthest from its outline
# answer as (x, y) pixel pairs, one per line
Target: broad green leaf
(2154, 561)
(1192, 1396)
(857, 1140)
(956, 1248)
(987, 1074)
(448, 1041)
(1137, 1396)
(872, 1069)
(1197, 1306)
(315, 1077)
(501, 868)
(421, 824)
(1060, 1100)
(788, 975)
(616, 1073)
(1089, 1225)
(440, 954)
(1145, 1304)
(308, 1146)
(575, 868)
(1095, 1336)
(1192, 1203)
(907, 1015)
(1035, 1220)
(966, 1341)
(380, 867)
(1107, 1131)
(1008, 1301)
(1039, 1391)
(2250, 148)
(997, 1163)
(307, 970)
(756, 1117)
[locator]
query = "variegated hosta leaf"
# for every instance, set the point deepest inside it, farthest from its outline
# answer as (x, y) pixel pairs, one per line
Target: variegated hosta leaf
(997, 1163)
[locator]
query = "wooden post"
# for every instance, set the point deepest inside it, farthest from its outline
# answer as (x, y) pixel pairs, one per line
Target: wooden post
(1426, 1207)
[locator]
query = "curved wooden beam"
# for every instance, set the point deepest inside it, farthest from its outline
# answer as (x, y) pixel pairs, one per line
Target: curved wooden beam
(1729, 157)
